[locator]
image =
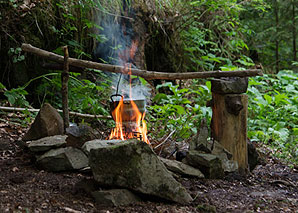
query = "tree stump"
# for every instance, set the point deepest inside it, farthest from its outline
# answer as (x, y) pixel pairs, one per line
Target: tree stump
(229, 125)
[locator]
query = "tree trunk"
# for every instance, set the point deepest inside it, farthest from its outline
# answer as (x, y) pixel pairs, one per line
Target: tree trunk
(229, 123)
(294, 31)
(277, 37)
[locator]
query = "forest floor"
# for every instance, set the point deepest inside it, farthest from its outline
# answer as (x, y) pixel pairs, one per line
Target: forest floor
(24, 188)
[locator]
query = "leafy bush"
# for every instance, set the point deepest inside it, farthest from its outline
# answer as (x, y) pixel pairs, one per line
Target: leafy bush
(84, 96)
(273, 112)
(180, 111)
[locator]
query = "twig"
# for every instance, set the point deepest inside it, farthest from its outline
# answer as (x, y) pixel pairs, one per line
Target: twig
(70, 113)
(38, 27)
(165, 140)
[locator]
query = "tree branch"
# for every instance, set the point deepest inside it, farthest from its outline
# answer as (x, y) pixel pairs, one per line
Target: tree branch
(148, 75)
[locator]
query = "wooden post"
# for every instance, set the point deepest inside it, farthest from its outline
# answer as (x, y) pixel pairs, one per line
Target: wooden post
(64, 89)
(229, 125)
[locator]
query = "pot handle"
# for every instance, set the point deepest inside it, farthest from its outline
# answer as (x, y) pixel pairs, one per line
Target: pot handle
(115, 95)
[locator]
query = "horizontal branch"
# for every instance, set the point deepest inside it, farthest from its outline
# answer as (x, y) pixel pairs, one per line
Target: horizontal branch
(16, 109)
(148, 75)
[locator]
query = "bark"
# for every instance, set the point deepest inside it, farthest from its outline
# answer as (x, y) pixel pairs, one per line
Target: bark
(148, 75)
(229, 125)
(64, 89)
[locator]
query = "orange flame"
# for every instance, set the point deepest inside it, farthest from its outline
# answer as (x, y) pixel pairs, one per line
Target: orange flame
(134, 120)
(129, 124)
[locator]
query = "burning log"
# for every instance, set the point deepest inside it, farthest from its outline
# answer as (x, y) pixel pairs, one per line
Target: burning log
(148, 75)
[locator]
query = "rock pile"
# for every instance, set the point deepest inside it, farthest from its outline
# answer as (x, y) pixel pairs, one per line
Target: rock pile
(129, 168)
(210, 157)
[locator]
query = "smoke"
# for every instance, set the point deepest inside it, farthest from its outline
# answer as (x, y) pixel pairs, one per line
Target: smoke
(119, 47)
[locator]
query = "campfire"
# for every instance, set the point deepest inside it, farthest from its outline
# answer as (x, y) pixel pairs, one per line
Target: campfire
(128, 112)
(129, 117)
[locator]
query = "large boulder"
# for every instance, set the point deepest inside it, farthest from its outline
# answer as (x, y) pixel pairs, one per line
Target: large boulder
(48, 122)
(62, 159)
(47, 143)
(133, 165)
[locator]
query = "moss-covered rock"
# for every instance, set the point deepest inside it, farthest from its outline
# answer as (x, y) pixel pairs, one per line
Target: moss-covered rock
(133, 165)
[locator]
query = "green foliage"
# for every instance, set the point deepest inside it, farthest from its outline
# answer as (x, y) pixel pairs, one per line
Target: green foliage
(213, 35)
(84, 96)
(15, 54)
(273, 112)
(266, 31)
(181, 110)
(16, 97)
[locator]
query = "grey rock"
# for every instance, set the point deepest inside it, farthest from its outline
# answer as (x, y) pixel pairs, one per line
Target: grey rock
(231, 85)
(181, 168)
(48, 122)
(47, 143)
(228, 165)
(78, 135)
(225, 156)
(133, 165)
(95, 144)
(218, 149)
(209, 164)
(115, 197)
(200, 142)
(63, 159)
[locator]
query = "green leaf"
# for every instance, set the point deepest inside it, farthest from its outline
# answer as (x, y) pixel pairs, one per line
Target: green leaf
(180, 110)
(159, 97)
(268, 98)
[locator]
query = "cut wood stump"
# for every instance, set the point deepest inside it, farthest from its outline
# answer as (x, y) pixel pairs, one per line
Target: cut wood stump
(229, 125)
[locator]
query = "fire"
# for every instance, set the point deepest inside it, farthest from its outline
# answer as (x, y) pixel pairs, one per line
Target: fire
(129, 120)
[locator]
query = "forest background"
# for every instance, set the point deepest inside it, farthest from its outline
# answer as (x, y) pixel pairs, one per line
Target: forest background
(177, 36)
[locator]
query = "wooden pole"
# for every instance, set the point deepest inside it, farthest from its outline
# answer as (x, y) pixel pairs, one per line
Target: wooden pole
(148, 75)
(64, 88)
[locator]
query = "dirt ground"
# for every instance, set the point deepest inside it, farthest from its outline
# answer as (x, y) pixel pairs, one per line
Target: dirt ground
(24, 188)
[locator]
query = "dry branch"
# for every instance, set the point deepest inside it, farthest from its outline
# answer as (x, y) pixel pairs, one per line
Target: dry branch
(64, 89)
(16, 109)
(148, 75)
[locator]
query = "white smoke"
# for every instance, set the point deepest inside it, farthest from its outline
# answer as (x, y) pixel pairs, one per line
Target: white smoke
(115, 49)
